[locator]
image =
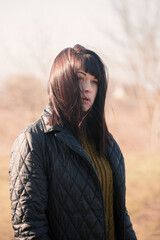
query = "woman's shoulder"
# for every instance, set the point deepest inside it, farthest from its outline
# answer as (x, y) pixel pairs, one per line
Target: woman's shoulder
(35, 128)
(113, 147)
(30, 136)
(114, 155)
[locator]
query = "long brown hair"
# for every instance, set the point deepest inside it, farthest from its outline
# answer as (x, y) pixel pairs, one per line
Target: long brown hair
(64, 94)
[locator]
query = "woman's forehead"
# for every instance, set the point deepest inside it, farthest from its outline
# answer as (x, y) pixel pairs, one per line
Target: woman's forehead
(83, 73)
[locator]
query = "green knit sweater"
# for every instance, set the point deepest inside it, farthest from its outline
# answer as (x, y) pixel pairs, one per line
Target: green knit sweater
(106, 179)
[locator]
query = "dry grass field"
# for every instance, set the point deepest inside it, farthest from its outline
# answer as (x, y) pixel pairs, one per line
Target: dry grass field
(5, 214)
(143, 196)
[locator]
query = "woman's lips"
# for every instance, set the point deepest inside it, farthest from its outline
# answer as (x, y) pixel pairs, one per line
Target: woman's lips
(85, 100)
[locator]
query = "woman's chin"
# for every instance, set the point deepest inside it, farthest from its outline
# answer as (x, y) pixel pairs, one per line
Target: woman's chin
(85, 109)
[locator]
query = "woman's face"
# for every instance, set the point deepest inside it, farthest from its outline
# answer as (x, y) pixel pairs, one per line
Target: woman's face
(88, 85)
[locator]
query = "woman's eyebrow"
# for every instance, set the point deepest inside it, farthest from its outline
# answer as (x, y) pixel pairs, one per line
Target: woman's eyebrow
(82, 73)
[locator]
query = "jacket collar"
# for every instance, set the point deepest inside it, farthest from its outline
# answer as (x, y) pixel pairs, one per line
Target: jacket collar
(59, 131)
(45, 116)
(63, 134)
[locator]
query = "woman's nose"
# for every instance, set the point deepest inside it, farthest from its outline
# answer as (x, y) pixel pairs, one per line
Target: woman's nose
(87, 87)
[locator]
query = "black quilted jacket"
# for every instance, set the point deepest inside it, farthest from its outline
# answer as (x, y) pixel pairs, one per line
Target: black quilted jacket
(55, 190)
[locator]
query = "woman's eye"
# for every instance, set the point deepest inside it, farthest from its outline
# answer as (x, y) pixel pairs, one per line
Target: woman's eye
(80, 79)
(95, 81)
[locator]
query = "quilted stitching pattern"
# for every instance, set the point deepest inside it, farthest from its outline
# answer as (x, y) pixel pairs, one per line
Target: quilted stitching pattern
(54, 188)
(76, 206)
(28, 189)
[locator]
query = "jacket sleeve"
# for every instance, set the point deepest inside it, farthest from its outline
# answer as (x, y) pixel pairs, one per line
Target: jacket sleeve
(28, 188)
(129, 232)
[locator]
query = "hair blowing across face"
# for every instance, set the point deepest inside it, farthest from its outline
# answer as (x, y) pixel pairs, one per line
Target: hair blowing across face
(64, 94)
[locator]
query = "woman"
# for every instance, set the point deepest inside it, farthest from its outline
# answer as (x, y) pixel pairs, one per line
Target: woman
(67, 176)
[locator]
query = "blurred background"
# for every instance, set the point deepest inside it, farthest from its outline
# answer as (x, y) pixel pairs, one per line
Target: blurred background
(125, 33)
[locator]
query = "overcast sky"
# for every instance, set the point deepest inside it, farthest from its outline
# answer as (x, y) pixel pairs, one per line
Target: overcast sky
(33, 32)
